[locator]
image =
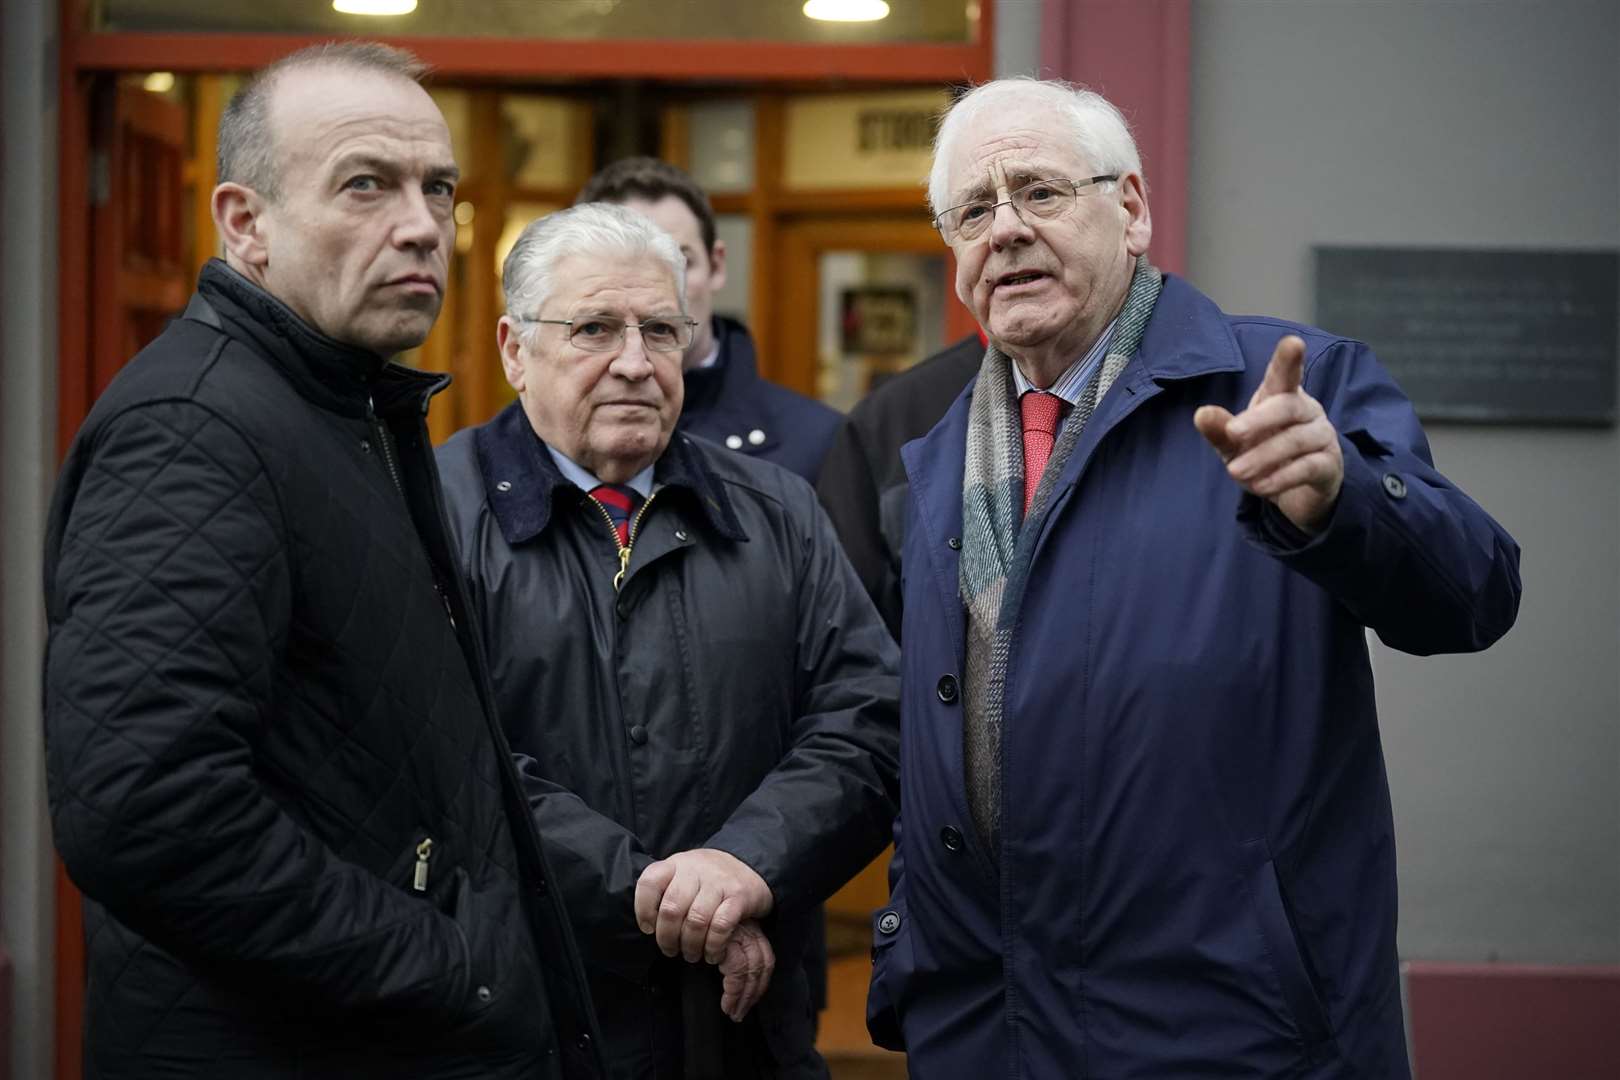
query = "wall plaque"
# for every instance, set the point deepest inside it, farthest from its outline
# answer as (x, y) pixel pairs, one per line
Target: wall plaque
(1527, 337)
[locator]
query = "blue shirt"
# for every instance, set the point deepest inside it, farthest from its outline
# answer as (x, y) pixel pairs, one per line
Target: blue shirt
(1072, 383)
(642, 482)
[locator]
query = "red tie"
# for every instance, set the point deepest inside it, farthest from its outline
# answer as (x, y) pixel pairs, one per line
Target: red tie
(621, 503)
(1042, 413)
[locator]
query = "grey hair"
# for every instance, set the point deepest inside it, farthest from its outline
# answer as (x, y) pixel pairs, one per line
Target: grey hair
(1102, 136)
(247, 147)
(591, 230)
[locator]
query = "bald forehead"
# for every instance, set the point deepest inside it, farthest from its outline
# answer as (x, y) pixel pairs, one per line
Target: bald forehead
(312, 103)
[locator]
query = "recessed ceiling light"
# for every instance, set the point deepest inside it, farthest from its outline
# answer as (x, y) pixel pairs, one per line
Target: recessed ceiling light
(846, 10)
(158, 82)
(374, 7)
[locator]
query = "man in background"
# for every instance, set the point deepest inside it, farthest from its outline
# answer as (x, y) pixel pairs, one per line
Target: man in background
(863, 481)
(273, 766)
(727, 402)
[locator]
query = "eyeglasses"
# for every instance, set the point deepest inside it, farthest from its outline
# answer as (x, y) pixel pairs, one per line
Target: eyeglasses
(1041, 200)
(604, 333)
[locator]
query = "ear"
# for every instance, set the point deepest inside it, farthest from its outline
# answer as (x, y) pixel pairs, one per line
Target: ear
(717, 266)
(506, 340)
(1138, 219)
(239, 215)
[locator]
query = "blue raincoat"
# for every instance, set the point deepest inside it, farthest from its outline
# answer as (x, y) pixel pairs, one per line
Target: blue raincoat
(1197, 865)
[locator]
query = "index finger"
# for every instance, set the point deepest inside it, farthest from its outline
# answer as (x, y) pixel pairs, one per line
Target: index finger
(650, 888)
(1286, 371)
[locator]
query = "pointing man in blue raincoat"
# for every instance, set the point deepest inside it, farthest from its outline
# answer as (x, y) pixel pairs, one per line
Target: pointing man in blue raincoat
(1145, 827)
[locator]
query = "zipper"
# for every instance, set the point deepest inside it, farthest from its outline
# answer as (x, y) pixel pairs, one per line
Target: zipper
(386, 442)
(630, 542)
(424, 851)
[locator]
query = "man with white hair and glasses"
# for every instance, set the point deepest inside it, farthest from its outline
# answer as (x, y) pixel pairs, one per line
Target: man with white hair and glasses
(1145, 828)
(701, 695)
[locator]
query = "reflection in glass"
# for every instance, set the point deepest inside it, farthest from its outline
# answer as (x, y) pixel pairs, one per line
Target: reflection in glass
(540, 135)
(880, 313)
(721, 146)
(518, 216)
(736, 231)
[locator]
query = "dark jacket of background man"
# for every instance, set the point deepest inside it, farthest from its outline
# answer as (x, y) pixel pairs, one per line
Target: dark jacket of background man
(863, 481)
(731, 405)
(263, 700)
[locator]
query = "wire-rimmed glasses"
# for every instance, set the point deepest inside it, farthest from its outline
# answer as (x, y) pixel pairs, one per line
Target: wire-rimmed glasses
(1040, 200)
(604, 333)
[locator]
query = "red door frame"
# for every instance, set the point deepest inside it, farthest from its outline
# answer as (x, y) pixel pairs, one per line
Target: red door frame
(85, 54)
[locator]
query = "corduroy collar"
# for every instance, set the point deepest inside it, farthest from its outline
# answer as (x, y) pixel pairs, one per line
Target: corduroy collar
(521, 481)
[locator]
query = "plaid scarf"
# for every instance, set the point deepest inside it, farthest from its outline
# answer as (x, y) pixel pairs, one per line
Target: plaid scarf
(996, 551)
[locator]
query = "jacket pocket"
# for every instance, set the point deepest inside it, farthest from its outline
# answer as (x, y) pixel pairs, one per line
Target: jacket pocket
(891, 956)
(504, 1006)
(1282, 947)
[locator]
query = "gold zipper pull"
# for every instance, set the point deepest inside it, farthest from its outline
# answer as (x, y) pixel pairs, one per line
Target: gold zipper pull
(624, 568)
(423, 851)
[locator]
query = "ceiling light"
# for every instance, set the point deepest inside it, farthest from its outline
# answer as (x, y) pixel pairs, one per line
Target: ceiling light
(158, 82)
(846, 10)
(374, 7)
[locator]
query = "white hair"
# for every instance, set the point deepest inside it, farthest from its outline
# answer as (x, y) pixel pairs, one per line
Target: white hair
(590, 230)
(1101, 134)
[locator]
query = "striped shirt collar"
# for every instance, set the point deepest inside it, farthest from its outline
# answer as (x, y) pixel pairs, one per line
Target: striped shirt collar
(1072, 383)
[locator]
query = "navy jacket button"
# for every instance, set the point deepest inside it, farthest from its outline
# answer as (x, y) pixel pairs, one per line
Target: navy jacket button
(950, 838)
(888, 922)
(1394, 486)
(638, 735)
(947, 689)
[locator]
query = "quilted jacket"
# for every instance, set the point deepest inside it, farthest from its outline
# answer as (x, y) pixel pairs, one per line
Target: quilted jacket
(737, 692)
(273, 767)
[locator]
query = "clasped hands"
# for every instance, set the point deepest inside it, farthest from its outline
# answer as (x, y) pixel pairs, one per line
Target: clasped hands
(1282, 448)
(706, 905)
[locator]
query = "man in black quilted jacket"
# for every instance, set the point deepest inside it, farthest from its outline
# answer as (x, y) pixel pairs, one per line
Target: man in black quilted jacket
(273, 767)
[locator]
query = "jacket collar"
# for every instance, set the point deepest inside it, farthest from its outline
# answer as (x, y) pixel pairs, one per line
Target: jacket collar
(339, 377)
(522, 482)
(711, 388)
(1186, 337)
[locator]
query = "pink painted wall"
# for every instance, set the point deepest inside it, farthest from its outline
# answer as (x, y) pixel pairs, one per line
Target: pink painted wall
(1513, 1021)
(1138, 54)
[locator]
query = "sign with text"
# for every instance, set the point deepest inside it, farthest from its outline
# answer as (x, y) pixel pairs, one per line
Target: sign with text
(1522, 337)
(882, 139)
